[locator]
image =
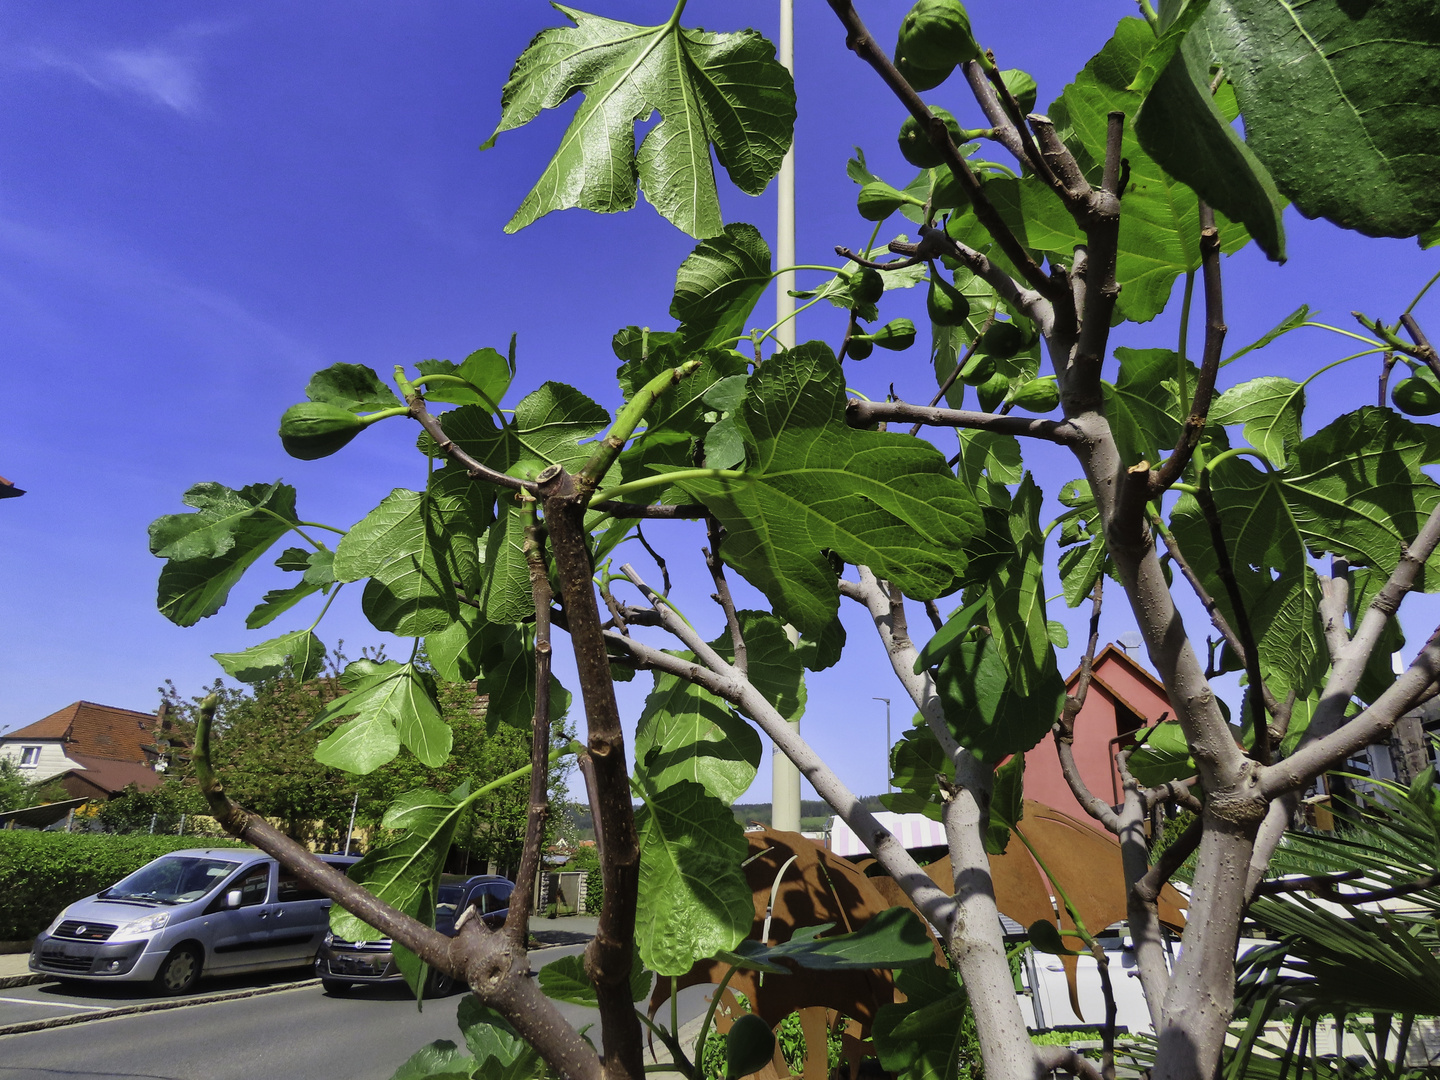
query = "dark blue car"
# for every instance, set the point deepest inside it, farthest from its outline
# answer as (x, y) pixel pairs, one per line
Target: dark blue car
(341, 964)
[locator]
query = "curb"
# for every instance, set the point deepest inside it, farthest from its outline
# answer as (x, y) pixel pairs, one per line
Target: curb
(9, 981)
(150, 1006)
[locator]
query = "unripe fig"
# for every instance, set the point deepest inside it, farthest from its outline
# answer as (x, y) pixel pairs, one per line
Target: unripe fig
(992, 391)
(860, 347)
(1416, 397)
(749, 1046)
(878, 200)
(919, 78)
(915, 141)
(1003, 340)
(895, 335)
(937, 32)
(316, 429)
(866, 285)
(977, 369)
(1037, 395)
(947, 305)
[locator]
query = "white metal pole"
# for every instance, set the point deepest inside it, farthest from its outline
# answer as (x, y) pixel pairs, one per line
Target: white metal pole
(784, 776)
(889, 785)
(350, 831)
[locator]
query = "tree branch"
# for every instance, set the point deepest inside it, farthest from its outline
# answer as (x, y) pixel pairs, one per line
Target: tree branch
(1099, 216)
(1215, 330)
(1064, 727)
(712, 672)
(517, 919)
(1008, 131)
(723, 598)
(496, 969)
(1170, 860)
(1326, 742)
(935, 243)
(859, 41)
(1052, 1058)
(861, 414)
(608, 956)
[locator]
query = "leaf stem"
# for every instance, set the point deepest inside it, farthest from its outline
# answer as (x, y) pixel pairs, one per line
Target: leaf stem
(439, 377)
(1182, 390)
(339, 585)
(629, 418)
(1238, 451)
(661, 479)
(1421, 293)
(709, 1016)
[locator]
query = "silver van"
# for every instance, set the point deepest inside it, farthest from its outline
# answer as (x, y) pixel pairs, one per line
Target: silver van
(204, 911)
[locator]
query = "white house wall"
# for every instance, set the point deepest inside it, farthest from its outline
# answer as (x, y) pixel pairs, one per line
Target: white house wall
(52, 761)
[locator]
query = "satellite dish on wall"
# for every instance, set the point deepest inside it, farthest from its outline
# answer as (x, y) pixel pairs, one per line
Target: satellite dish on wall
(1131, 641)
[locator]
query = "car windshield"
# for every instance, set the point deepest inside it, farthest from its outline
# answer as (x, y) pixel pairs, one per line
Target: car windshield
(447, 900)
(171, 880)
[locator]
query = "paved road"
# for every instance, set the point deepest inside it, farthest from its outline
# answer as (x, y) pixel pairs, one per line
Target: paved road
(294, 1030)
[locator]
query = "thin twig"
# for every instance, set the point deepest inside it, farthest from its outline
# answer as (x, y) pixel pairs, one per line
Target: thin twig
(959, 365)
(893, 264)
(659, 561)
(934, 612)
(1008, 131)
(1215, 330)
(1171, 859)
(1260, 748)
(722, 596)
(862, 414)
(1064, 727)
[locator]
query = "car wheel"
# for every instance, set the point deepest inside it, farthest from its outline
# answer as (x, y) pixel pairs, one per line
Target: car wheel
(438, 984)
(180, 971)
(335, 987)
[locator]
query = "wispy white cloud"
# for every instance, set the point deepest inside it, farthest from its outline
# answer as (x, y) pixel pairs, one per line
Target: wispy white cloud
(165, 73)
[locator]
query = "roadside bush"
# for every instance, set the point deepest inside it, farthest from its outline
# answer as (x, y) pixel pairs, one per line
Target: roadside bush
(586, 859)
(42, 872)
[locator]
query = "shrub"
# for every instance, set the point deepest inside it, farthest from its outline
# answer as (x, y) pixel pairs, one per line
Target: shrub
(43, 872)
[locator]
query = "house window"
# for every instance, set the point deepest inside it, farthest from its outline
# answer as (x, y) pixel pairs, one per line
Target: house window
(29, 756)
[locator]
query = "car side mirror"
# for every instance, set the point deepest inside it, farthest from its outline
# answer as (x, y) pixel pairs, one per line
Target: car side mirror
(232, 898)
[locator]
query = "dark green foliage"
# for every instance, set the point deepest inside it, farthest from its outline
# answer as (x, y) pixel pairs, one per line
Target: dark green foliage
(43, 872)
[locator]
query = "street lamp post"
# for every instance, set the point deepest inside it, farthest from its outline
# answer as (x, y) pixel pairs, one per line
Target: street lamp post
(888, 785)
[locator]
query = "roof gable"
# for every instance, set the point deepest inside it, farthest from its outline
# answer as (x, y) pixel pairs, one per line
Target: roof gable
(100, 731)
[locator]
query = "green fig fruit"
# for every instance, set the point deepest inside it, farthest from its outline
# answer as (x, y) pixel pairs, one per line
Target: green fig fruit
(895, 335)
(919, 78)
(915, 141)
(879, 200)
(977, 369)
(992, 391)
(749, 1046)
(1416, 396)
(947, 305)
(866, 286)
(1003, 340)
(860, 347)
(937, 32)
(1037, 395)
(316, 429)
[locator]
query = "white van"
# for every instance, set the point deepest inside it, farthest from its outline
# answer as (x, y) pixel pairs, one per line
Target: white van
(204, 911)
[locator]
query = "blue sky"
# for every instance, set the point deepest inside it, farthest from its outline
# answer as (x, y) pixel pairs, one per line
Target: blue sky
(202, 205)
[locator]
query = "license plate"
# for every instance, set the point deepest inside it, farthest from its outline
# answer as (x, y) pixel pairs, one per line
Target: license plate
(354, 965)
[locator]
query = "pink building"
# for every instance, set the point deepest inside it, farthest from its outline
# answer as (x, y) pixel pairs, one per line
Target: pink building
(1123, 698)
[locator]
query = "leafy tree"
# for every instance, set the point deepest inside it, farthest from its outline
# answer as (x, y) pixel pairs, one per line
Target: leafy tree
(17, 792)
(1301, 535)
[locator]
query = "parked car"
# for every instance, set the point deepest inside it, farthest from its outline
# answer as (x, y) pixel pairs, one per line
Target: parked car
(341, 963)
(203, 911)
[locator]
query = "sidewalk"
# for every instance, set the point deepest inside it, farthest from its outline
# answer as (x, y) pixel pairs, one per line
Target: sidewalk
(15, 970)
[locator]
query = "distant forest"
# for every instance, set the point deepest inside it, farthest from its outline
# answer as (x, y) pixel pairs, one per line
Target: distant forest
(814, 814)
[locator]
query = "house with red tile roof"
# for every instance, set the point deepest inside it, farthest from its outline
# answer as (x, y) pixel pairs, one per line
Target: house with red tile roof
(94, 750)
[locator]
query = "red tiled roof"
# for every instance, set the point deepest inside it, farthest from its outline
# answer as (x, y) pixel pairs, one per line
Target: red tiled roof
(98, 731)
(113, 777)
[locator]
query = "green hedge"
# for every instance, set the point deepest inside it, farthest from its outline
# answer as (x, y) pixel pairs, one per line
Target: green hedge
(43, 872)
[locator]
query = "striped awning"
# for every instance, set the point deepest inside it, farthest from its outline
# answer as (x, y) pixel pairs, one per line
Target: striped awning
(912, 830)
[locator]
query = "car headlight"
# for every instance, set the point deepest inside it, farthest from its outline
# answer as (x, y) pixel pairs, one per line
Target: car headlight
(329, 939)
(148, 925)
(55, 923)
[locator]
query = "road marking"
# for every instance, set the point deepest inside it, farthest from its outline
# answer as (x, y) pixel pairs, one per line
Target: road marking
(55, 1004)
